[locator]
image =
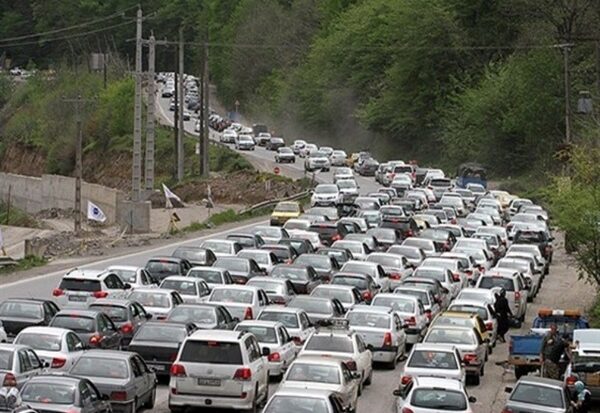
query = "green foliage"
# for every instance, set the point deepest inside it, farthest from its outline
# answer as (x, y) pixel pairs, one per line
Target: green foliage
(574, 201)
(16, 217)
(25, 263)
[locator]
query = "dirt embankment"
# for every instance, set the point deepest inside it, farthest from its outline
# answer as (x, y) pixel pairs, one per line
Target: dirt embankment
(22, 159)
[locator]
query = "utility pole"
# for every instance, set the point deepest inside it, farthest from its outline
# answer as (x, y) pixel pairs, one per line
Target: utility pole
(176, 116)
(149, 159)
(201, 131)
(205, 132)
(566, 50)
(179, 108)
(137, 117)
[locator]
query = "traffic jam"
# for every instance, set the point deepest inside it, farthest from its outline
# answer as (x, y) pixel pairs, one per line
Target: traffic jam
(422, 277)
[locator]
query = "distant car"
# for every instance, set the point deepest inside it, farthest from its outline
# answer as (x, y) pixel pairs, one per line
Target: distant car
(221, 247)
(409, 309)
(92, 326)
(279, 291)
(244, 142)
(162, 267)
(243, 302)
(82, 287)
(18, 364)
(275, 143)
(303, 277)
(158, 342)
(134, 276)
(206, 316)
(284, 253)
(298, 146)
(240, 269)
(58, 347)
(338, 158)
(19, 313)
(295, 320)
(427, 359)
(64, 393)
(157, 301)
(289, 400)
(265, 259)
(213, 276)
(196, 256)
(285, 155)
(127, 315)
(317, 308)
(122, 376)
(538, 394)
(347, 295)
(270, 233)
(367, 167)
(285, 210)
(325, 194)
(192, 290)
(246, 240)
(317, 160)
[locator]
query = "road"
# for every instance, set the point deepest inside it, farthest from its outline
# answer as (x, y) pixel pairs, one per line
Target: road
(561, 289)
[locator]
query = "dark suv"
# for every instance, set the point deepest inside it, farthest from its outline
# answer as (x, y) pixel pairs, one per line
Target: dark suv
(539, 238)
(329, 232)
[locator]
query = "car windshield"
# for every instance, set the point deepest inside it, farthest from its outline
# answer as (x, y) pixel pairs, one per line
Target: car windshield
(289, 320)
(104, 367)
(538, 395)
(211, 352)
(326, 189)
(343, 295)
(330, 343)
(127, 276)
(314, 373)
(6, 359)
(465, 308)
(48, 393)
(40, 341)
(372, 320)
(290, 273)
(21, 309)
(297, 404)
(263, 334)
(309, 305)
(219, 247)
(163, 334)
(432, 359)
(442, 399)
(358, 282)
(447, 336)
(200, 315)
(162, 267)
(151, 299)
(182, 287)
(492, 282)
(321, 262)
(399, 304)
(233, 264)
(259, 257)
(270, 287)
(286, 207)
(78, 324)
(208, 275)
(230, 295)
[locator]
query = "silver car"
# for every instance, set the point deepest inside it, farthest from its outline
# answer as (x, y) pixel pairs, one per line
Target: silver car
(323, 373)
(64, 394)
(536, 394)
(439, 360)
(157, 301)
(136, 276)
(274, 336)
(121, 375)
(349, 296)
(213, 276)
(295, 320)
(432, 394)
(304, 400)
(58, 347)
(18, 364)
(279, 290)
(410, 310)
(192, 290)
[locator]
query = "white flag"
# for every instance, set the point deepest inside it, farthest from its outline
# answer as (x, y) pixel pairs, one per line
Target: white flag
(94, 212)
(1, 239)
(170, 194)
(210, 203)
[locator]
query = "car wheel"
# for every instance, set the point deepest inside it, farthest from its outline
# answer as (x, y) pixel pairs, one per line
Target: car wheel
(254, 408)
(482, 371)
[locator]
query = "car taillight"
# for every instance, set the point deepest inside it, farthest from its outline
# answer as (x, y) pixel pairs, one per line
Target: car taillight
(100, 294)
(118, 396)
(428, 314)
(57, 362)
(9, 380)
(351, 364)
(57, 292)
(470, 358)
(248, 315)
(298, 341)
(127, 328)
(411, 321)
(517, 295)
(455, 277)
(571, 380)
(395, 276)
(489, 326)
(178, 370)
(274, 357)
(404, 380)
(336, 237)
(367, 295)
(409, 233)
(407, 410)
(244, 374)
(95, 340)
(387, 340)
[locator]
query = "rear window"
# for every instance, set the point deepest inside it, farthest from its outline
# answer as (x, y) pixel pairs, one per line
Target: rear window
(74, 284)
(151, 299)
(296, 404)
(163, 268)
(289, 320)
(6, 360)
(360, 319)
(115, 313)
(339, 344)
(53, 393)
(433, 359)
(76, 323)
(21, 309)
(232, 296)
(262, 334)
(162, 334)
(397, 304)
(442, 399)
(104, 367)
(311, 306)
(470, 309)
(40, 341)
(492, 282)
(360, 283)
(290, 273)
(193, 314)
(343, 296)
(190, 254)
(446, 336)
(127, 276)
(210, 276)
(314, 373)
(233, 264)
(538, 395)
(321, 262)
(211, 352)
(182, 287)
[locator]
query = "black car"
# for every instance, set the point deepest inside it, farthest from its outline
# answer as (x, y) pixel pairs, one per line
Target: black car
(196, 256)
(19, 313)
(304, 277)
(158, 343)
(275, 143)
(240, 269)
(539, 238)
(329, 232)
(407, 226)
(247, 240)
(302, 246)
(341, 255)
(163, 267)
(284, 253)
(385, 237)
(203, 316)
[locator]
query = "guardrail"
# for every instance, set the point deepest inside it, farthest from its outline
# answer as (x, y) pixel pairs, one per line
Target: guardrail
(274, 202)
(6, 261)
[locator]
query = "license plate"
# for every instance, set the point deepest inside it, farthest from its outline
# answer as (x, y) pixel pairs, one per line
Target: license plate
(157, 367)
(209, 382)
(77, 298)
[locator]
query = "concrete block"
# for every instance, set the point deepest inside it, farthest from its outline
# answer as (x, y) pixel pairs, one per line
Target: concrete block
(135, 216)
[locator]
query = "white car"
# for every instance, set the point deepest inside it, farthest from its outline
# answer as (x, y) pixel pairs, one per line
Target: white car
(80, 288)
(220, 368)
(347, 187)
(411, 311)
(373, 269)
(338, 158)
(213, 276)
(308, 149)
(342, 173)
(228, 136)
(244, 302)
(439, 360)
(325, 194)
(192, 290)
(135, 276)
(358, 249)
(222, 247)
(310, 236)
(58, 347)
(348, 296)
(483, 310)
(513, 284)
(316, 160)
(443, 275)
(274, 336)
(432, 394)
(297, 146)
(295, 320)
(297, 224)
(157, 301)
(265, 259)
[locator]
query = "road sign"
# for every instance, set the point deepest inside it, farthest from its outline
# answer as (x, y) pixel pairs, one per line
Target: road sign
(276, 170)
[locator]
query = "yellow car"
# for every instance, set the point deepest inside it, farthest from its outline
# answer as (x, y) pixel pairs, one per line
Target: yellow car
(352, 159)
(464, 319)
(284, 211)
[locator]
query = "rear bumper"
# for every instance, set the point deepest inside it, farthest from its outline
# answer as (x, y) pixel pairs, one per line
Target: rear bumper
(209, 401)
(473, 369)
(385, 354)
(276, 368)
(413, 335)
(121, 407)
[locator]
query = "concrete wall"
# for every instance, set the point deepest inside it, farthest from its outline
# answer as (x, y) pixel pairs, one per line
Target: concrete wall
(34, 194)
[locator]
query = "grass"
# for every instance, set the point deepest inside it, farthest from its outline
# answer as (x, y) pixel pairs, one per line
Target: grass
(26, 263)
(17, 217)
(594, 314)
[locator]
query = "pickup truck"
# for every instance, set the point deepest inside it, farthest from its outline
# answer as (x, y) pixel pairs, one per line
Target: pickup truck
(524, 350)
(585, 364)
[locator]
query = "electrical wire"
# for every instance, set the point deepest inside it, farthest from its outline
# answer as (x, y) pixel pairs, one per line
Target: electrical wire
(80, 25)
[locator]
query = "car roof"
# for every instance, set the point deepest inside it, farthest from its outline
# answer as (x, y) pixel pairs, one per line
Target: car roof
(203, 268)
(167, 258)
(216, 335)
(433, 347)
(363, 308)
(78, 312)
(334, 287)
(269, 279)
(259, 323)
(113, 301)
(24, 299)
(473, 303)
(76, 273)
(399, 295)
(303, 392)
(56, 331)
(180, 278)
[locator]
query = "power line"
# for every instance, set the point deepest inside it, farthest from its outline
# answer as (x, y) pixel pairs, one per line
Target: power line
(76, 26)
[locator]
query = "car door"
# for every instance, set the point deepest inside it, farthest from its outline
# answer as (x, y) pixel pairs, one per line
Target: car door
(149, 377)
(50, 309)
(138, 379)
(96, 402)
(25, 369)
(75, 347)
(382, 279)
(203, 290)
(138, 315)
(257, 363)
(36, 364)
(261, 300)
(363, 357)
(350, 386)
(398, 333)
(288, 348)
(306, 328)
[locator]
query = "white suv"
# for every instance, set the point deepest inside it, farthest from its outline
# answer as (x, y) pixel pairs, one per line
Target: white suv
(219, 369)
(80, 288)
(325, 194)
(316, 160)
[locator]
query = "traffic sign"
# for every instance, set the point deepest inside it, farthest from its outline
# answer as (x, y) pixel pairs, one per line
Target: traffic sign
(276, 170)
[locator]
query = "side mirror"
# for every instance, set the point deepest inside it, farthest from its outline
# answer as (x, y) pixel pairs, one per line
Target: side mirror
(472, 399)
(127, 286)
(355, 375)
(45, 364)
(508, 389)
(148, 316)
(265, 351)
(370, 347)
(397, 393)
